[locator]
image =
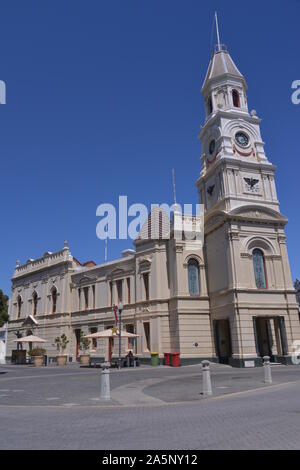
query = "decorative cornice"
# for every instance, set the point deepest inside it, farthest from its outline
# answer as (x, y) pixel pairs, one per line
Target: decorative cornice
(49, 260)
(84, 281)
(246, 255)
(272, 256)
(144, 265)
(233, 235)
(281, 239)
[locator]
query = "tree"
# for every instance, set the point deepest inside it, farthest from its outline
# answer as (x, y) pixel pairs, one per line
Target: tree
(61, 343)
(84, 342)
(3, 308)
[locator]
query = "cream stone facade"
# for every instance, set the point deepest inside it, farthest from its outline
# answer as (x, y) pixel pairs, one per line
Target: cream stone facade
(231, 300)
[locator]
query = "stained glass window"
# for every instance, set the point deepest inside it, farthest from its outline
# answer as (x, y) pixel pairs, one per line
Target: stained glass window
(193, 275)
(259, 269)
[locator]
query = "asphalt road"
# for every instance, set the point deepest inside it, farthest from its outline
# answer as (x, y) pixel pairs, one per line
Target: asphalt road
(151, 408)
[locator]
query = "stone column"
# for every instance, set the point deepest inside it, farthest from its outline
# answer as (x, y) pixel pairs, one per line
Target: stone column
(90, 297)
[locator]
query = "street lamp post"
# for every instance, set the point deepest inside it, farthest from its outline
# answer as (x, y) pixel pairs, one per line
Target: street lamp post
(120, 308)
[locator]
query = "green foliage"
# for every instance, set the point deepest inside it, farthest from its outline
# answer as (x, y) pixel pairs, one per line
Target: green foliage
(84, 342)
(61, 343)
(37, 352)
(3, 308)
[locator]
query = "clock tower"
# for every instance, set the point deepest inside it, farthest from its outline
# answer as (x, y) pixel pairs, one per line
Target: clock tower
(235, 168)
(253, 306)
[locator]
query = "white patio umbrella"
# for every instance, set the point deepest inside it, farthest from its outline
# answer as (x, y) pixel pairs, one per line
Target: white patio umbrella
(111, 333)
(30, 339)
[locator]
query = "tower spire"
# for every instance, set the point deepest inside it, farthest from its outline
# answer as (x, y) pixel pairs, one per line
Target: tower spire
(174, 187)
(218, 32)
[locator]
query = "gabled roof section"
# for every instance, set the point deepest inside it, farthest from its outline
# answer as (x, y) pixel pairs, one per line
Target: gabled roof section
(86, 264)
(221, 64)
(30, 320)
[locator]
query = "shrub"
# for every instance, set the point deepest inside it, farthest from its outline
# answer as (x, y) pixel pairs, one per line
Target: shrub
(37, 352)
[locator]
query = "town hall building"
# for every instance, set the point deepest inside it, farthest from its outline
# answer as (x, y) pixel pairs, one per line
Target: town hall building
(231, 300)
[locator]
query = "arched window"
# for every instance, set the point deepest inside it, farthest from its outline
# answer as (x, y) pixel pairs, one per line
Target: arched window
(236, 99)
(19, 306)
(209, 105)
(35, 301)
(193, 277)
(54, 299)
(259, 269)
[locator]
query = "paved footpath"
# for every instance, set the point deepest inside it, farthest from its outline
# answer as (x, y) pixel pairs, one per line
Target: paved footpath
(160, 408)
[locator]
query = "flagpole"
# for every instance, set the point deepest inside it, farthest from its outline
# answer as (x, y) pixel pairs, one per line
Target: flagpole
(105, 250)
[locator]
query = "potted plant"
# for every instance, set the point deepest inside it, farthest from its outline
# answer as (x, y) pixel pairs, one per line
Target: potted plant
(84, 346)
(38, 356)
(61, 344)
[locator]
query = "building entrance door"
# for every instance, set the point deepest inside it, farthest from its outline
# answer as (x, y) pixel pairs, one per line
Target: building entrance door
(264, 337)
(77, 335)
(270, 337)
(223, 340)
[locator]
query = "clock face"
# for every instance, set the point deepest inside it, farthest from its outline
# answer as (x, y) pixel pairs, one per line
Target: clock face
(242, 139)
(212, 146)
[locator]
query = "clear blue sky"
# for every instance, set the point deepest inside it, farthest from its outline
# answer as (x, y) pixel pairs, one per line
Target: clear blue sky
(103, 98)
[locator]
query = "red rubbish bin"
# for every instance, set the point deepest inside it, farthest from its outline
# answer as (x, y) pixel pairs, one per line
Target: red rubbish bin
(175, 359)
(166, 359)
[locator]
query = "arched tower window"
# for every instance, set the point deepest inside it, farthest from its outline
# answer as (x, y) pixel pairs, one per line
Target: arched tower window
(236, 99)
(35, 302)
(259, 269)
(19, 306)
(193, 277)
(209, 105)
(54, 299)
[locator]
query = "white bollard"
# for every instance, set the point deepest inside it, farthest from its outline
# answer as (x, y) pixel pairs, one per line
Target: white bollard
(206, 385)
(105, 384)
(267, 370)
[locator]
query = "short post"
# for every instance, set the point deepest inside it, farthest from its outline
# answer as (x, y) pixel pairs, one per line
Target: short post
(267, 370)
(105, 383)
(206, 385)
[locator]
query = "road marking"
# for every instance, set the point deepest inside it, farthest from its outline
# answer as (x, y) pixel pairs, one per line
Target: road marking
(53, 398)
(44, 376)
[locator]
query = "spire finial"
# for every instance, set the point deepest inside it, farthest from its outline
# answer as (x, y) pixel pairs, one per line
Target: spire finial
(218, 33)
(66, 245)
(174, 188)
